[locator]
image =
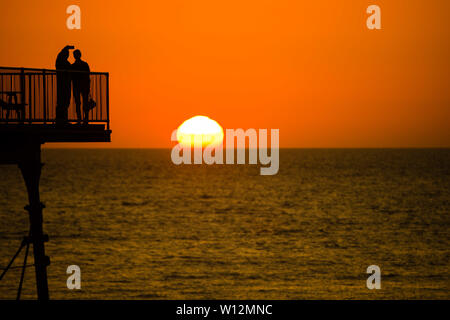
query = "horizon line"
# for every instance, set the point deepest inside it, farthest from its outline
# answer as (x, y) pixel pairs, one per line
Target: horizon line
(285, 148)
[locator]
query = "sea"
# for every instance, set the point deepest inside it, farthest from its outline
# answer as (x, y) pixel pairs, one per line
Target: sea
(140, 227)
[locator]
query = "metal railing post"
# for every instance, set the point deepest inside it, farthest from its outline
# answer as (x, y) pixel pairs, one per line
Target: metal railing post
(22, 93)
(44, 95)
(29, 99)
(107, 100)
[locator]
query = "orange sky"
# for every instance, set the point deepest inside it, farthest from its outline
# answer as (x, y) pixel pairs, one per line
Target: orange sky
(309, 68)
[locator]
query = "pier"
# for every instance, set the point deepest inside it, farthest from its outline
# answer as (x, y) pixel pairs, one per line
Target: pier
(28, 99)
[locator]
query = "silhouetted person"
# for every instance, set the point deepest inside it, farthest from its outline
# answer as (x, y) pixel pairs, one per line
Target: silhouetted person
(81, 85)
(63, 84)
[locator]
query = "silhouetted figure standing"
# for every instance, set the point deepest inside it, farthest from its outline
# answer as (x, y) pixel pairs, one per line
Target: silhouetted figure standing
(63, 90)
(81, 85)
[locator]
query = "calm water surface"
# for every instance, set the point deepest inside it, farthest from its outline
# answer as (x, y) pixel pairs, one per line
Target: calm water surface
(140, 227)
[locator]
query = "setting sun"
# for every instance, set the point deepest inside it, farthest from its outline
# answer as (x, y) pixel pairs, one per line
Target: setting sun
(200, 130)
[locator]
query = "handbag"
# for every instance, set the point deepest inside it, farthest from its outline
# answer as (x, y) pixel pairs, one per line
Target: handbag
(91, 103)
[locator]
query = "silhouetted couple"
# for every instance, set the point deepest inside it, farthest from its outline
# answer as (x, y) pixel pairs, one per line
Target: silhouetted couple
(77, 75)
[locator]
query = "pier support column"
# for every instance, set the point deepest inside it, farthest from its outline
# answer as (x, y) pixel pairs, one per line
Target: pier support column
(30, 165)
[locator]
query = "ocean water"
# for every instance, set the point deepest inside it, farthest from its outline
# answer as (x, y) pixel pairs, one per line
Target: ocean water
(140, 227)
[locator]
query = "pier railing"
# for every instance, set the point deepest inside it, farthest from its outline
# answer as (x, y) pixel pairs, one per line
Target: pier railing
(30, 96)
